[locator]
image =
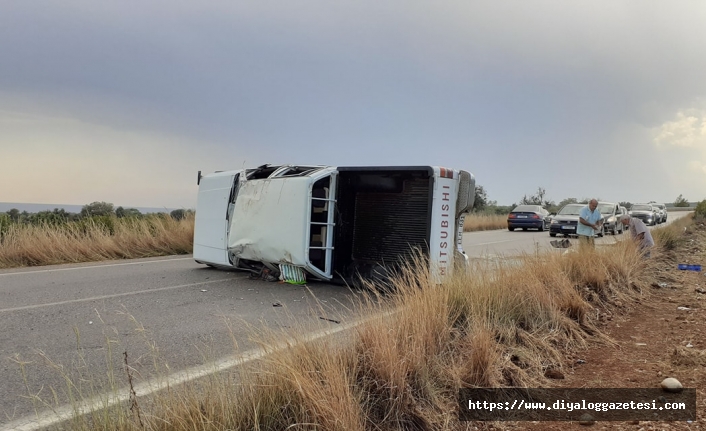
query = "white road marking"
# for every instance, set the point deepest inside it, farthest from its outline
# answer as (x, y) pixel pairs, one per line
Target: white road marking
(493, 242)
(53, 417)
(39, 271)
(116, 295)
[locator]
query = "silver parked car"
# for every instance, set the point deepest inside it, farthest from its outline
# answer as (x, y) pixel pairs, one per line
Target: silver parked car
(645, 212)
(623, 211)
(662, 212)
(566, 220)
(611, 218)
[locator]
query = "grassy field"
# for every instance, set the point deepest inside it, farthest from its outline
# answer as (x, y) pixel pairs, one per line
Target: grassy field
(480, 221)
(94, 240)
(497, 325)
(124, 238)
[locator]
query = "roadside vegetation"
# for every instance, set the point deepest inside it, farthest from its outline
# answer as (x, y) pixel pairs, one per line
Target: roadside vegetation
(700, 211)
(484, 221)
(102, 232)
(98, 233)
(498, 325)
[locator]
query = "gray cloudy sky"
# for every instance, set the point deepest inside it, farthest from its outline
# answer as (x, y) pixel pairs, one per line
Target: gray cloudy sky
(124, 101)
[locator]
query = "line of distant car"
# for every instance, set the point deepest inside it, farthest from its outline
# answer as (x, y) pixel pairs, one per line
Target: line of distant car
(564, 222)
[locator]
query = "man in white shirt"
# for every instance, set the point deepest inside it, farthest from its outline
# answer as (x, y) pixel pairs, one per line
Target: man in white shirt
(639, 233)
(590, 221)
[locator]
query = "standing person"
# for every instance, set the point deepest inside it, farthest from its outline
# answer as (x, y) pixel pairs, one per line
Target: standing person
(639, 233)
(590, 221)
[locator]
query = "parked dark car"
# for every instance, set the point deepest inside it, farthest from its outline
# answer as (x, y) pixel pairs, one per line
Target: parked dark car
(566, 220)
(645, 212)
(528, 217)
(611, 215)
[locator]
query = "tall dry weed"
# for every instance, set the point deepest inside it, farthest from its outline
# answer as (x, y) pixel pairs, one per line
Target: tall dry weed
(671, 236)
(88, 241)
(480, 221)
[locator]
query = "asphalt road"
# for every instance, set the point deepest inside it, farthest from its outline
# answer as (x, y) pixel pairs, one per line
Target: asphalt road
(171, 308)
(503, 243)
(79, 319)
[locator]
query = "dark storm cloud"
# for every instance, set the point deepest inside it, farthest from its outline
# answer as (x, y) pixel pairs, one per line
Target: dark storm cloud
(471, 84)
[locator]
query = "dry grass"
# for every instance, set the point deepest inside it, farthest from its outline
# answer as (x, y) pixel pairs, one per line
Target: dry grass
(671, 236)
(497, 325)
(476, 222)
(127, 238)
(88, 241)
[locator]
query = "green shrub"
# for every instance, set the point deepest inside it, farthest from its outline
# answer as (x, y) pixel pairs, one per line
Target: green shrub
(178, 214)
(5, 222)
(700, 211)
(104, 223)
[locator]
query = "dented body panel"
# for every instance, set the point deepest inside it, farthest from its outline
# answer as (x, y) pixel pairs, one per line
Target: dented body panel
(264, 214)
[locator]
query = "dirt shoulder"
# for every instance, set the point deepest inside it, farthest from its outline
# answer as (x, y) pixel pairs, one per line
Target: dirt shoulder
(661, 334)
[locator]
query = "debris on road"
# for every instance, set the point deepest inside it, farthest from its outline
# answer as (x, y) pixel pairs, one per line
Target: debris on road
(564, 243)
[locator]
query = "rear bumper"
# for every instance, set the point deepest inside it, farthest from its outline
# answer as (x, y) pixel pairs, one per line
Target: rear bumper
(529, 224)
(645, 219)
(566, 229)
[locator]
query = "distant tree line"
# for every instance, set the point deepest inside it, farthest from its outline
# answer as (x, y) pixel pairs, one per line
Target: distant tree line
(681, 201)
(101, 212)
